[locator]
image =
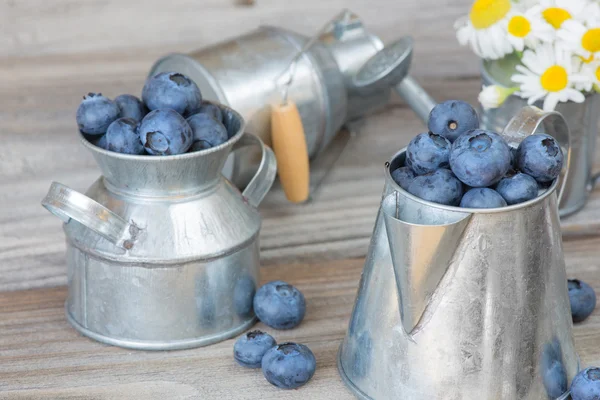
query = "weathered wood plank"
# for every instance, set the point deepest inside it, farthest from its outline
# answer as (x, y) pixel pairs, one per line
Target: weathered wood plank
(36, 33)
(42, 357)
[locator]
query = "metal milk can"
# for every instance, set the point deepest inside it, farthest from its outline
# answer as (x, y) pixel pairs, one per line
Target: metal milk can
(162, 251)
(245, 73)
(582, 119)
(465, 304)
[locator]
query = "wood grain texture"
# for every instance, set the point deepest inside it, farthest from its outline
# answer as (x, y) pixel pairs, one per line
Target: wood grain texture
(61, 34)
(41, 357)
(38, 131)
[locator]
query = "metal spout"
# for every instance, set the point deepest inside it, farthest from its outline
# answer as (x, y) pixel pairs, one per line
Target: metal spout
(422, 241)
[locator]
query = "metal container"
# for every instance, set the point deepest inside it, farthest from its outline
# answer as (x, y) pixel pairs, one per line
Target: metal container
(162, 251)
(582, 119)
(243, 73)
(466, 304)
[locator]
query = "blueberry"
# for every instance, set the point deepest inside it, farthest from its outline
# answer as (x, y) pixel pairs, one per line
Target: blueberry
(480, 158)
(165, 132)
(586, 385)
(122, 137)
(210, 109)
(452, 118)
(289, 365)
(96, 113)
(428, 152)
(279, 305)
(131, 107)
(517, 187)
(208, 132)
(582, 298)
(96, 140)
(541, 157)
(171, 90)
(403, 176)
(482, 198)
(250, 348)
(243, 296)
(440, 186)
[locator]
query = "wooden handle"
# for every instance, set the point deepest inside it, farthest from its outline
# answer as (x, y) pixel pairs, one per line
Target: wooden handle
(289, 144)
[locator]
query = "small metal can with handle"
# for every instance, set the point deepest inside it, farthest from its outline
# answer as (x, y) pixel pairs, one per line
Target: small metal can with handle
(162, 251)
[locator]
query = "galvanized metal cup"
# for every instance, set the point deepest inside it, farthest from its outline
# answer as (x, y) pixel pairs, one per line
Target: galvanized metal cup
(162, 251)
(463, 304)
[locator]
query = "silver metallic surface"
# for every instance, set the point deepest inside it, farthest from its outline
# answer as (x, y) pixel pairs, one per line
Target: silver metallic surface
(185, 274)
(386, 68)
(416, 97)
(582, 119)
(458, 303)
(242, 73)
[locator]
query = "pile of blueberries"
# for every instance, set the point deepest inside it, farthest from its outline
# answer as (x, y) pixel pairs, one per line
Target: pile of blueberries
(458, 164)
(171, 119)
(288, 365)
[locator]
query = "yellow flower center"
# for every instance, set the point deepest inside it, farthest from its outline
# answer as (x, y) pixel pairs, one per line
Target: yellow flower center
(591, 40)
(519, 26)
(554, 79)
(556, 16)
(598, 74)
(486, 13)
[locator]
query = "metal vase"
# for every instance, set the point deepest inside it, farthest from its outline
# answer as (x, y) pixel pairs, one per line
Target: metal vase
(582, 119)
(463, 304)
(162, 251)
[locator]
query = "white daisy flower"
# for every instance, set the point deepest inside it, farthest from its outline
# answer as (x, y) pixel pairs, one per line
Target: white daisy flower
(485, 28)
(592, 72)
(548, 73)
(493, 96)
(581, 39)
(556, 12)
(528, 29)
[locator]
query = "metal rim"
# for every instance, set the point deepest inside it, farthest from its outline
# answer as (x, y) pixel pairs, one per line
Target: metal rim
(156, 345)
(406, 42)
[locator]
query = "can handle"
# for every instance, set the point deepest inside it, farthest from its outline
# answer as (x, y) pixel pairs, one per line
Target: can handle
(67, 204)
(527, 122)
(264, 177)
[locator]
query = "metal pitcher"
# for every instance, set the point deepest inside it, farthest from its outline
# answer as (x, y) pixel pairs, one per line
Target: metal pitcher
(466, 304)
(162, 251)
(243, 73)
(582, 119)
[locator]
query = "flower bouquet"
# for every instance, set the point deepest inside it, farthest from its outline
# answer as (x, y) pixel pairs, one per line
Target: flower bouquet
(544, 53)
(545, 50)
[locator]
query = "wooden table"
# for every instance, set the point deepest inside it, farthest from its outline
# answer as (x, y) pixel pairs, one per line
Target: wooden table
(318, 246)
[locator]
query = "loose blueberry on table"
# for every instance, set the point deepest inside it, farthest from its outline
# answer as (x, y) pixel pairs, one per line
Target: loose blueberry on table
(250, 348)
(289, 365)
(586, 385)
(582, 298)
(279, 305)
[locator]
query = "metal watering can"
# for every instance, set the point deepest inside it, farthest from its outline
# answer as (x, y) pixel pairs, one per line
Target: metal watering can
(162, 252)
(248, 73)
(466, 304)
